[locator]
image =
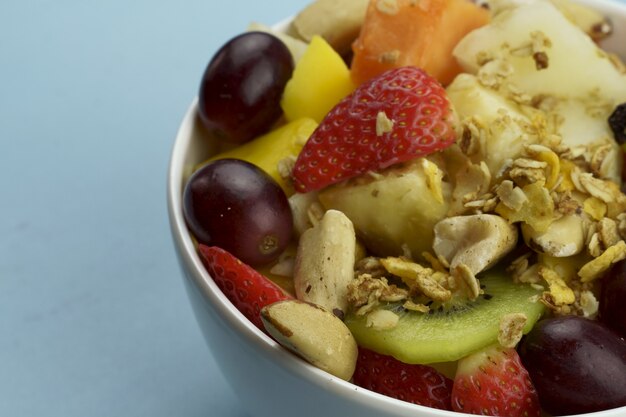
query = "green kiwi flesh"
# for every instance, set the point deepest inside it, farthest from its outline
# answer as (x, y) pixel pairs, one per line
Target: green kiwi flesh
(452, 332)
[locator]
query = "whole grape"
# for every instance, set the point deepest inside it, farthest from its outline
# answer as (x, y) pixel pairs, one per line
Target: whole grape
(612, 298)
(241, 88)
(576, 364)
(237, 206)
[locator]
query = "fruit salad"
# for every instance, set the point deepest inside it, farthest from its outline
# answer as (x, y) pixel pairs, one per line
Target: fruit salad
(423, 197)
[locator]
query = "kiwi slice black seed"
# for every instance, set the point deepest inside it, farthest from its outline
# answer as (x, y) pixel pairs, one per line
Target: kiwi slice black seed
(450, 332)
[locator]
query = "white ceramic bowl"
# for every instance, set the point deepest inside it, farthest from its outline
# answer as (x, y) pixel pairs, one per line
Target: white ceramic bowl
(268, 380)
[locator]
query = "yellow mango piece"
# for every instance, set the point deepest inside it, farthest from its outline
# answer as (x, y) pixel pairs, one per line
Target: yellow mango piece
(320, 80)
(267, 150)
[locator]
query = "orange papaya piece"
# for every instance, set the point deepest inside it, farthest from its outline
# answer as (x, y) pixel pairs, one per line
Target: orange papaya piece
(421, 33)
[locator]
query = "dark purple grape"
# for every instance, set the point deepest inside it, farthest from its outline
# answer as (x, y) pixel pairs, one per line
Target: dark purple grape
(617, 123)
(613, 298)
(577, 365)
(241, 89)
(237, 206)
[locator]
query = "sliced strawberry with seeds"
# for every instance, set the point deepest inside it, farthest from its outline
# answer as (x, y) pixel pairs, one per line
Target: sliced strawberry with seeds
(400, 115)
(494, 382)
(245, 287)
(417, 384)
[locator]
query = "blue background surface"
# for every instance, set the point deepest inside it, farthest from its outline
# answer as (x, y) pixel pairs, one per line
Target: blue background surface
(94, 319)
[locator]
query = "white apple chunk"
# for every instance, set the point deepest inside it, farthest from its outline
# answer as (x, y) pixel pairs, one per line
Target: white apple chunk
(500, 118)
(530, 61)
(534, 34)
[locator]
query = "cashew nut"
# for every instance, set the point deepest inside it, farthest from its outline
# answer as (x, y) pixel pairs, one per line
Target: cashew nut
(325, 262)
(564, 237)
(477, 241)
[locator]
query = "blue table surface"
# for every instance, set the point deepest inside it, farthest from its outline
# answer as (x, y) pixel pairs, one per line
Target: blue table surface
(94, 319)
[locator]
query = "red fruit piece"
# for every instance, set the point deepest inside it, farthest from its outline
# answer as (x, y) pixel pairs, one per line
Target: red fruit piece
(494, 382)
(400, 115)
(246, 288)
(417, 384)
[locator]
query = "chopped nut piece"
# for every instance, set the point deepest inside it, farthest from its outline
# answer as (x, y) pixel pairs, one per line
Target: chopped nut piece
(588, 304)
(595, 268)
(530, 276)
(493, 73)
(594, 246)
(370, 266)
(564, 237)
(537, 212)
(285, 167)
(511, 329)
(510, 195)
(472, 182)
(284, 266)
(382, 319)
(519, 265)
(315, 213)
(306, 211)
(473, 136)
(383, 124)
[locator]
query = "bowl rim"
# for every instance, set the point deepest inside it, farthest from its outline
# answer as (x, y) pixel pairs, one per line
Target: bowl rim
(235, 320)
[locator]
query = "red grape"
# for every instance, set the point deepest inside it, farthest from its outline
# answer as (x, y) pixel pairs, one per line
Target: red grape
(240, 92)
(577, 365)
(235, 205)
(612, 298)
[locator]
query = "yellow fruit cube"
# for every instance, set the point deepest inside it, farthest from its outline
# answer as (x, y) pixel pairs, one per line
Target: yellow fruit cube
(268, 150)
(320, 80)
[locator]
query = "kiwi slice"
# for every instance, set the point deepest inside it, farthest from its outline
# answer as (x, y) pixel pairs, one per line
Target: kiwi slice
(452, 331)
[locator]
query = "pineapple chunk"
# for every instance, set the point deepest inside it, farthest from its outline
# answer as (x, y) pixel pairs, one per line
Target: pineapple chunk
(320, 80)
(286, 142)
(546, 52)
(394, 211)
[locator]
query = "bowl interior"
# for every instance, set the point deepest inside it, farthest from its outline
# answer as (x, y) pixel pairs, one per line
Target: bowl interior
(193, 145)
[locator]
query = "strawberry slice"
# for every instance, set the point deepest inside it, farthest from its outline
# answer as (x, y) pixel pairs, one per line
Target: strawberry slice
(246, 288)
(417, 384)
(494, 382)
(400, 115)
